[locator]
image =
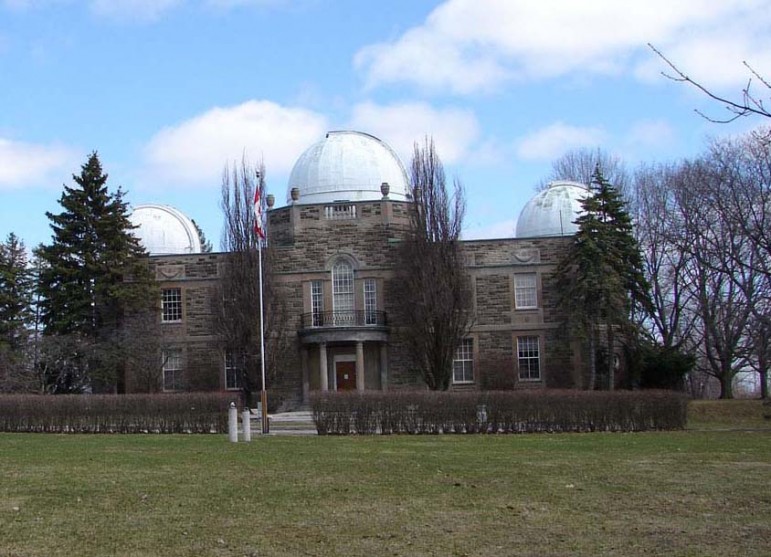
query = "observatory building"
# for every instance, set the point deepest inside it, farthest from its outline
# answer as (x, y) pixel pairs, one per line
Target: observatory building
(336, 244)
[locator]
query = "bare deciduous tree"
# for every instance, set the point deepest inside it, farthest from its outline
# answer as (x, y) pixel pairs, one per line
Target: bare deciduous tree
(749, 104)
(658, 231)
(432, 287)
(579, 165)
(237, 304)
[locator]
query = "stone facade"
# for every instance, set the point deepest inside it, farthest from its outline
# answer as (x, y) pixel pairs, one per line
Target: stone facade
(334, 270)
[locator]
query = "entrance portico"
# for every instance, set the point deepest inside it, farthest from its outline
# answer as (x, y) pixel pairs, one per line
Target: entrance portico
(344, 358)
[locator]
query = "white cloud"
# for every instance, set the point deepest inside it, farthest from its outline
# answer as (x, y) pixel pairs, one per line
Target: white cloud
(402, 124)
(133, 10)
(472, 45)
(195, 152)
(31, 165)
(550, 142)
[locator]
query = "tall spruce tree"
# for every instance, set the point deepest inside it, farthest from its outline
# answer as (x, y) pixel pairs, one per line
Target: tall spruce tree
(601, 278)
(16, 294)
(93, 276)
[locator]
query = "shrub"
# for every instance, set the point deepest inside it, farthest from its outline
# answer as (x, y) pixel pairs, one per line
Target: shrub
(155, 413)
(420, 412)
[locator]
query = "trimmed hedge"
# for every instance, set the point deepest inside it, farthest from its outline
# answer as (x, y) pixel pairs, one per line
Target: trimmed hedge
(157, 413)
(549, 411)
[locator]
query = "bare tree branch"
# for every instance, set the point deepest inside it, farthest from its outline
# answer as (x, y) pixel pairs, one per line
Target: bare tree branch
(749, 104)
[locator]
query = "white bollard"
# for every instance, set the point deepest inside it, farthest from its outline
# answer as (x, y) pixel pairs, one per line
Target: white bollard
(233, 423)
(246, 424)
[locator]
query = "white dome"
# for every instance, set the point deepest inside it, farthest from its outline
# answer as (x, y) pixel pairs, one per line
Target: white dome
(347, 166)
(162, 230)
(552, 211)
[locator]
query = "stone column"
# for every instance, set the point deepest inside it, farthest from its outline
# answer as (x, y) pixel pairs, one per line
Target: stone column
(383, 366)
(359, 366)
(323, 375)
(306, 376)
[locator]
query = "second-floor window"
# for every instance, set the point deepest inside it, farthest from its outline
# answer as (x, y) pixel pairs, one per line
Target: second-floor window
(171, 305)
(525, 291)
(370, 302)
(342, 293)
(317, 303)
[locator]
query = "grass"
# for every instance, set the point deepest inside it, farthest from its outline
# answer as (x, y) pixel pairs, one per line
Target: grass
(729, 414)
(670, 493)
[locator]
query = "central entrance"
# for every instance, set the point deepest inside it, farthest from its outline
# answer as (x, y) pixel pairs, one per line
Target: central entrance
(345, 375)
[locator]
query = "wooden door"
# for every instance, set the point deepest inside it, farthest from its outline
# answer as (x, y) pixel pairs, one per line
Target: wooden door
(346, 376)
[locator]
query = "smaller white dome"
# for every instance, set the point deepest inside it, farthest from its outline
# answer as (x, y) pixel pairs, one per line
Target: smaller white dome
(162, 230)
(552, 211)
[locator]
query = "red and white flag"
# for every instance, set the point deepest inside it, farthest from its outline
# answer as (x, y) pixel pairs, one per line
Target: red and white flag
(258, 228)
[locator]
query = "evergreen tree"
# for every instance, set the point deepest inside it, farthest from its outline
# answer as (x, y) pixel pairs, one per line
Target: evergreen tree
(601, 278)
(93, 275)
(206, 246)
(16, 291)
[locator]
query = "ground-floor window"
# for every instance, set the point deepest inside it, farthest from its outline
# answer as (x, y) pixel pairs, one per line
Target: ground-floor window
(463, 364)
(232, 372)
(529, 358)
(172, 369)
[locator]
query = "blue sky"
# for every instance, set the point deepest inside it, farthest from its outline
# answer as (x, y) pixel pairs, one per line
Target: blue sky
(170, 91)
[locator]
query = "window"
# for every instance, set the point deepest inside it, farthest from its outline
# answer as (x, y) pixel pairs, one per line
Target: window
(340, 212)
(317, 303)
(528, 357)
(172, 369)
(370, 302)
(463, 364)
(171, 305)
(342, 293)
(232, 372)
(525, 291)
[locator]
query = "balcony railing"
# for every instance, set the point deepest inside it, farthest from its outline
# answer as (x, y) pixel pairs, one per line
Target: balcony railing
(355, 318)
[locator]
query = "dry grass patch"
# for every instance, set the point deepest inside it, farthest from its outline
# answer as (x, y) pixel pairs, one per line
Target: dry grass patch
(673, 493)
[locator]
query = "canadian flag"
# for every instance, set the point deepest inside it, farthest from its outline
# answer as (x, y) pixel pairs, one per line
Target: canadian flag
(258, 228)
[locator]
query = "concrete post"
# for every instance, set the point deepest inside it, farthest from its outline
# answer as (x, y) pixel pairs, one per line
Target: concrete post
(233, 423)
(323, 374)
(360, 366)
(246, 424)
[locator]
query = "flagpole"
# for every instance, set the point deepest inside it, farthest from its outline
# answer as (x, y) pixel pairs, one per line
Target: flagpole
(263, 393)
(260, 233)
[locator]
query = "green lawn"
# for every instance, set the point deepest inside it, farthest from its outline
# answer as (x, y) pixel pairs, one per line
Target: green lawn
(675, 493)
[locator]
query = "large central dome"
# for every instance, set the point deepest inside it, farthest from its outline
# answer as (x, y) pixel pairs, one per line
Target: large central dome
(347, 166)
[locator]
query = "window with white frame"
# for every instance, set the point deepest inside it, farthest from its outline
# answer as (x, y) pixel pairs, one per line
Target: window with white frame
(525, 291)
(342, 293)
(529, 358)
(172, 369)
(317, 302)
(171, 305)
(463, 363)
(370, 302)
(232, 371)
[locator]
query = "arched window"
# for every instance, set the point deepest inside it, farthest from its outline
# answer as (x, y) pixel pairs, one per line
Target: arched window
(342, 293)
